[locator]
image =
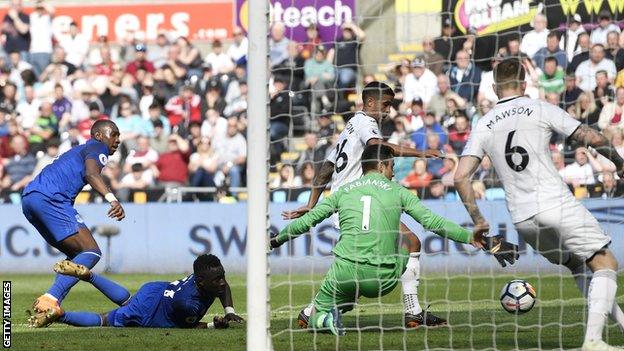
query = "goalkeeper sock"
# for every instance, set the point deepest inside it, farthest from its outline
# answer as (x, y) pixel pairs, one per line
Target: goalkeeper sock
(82, 319)
(409, 283)
(600, 299)
(63, 283)
(582, 276)
(115, 292)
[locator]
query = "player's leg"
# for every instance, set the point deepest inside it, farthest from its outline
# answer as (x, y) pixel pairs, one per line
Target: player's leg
(113, 291)
(583, 276)
(601, 293)
(414, 315)
(338, 291)
(84, 319)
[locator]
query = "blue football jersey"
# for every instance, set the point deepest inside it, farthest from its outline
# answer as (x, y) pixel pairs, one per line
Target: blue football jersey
(181, 305)
(65, 176)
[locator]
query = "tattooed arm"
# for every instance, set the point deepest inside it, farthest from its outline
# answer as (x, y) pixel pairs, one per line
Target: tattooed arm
(587, 136)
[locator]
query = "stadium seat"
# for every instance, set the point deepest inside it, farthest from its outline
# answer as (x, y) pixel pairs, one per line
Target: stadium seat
(495, 194)
(280, 196)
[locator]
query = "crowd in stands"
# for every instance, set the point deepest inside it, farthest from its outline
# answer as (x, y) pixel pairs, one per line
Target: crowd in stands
(182, 112)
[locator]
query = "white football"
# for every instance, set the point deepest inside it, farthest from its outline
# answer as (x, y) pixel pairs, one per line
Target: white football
(517, 296)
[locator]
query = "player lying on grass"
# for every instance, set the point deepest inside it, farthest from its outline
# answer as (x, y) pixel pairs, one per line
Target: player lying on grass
(516, 135)
(369, 261)
(179, 304)
(47, 203)
(343, 166)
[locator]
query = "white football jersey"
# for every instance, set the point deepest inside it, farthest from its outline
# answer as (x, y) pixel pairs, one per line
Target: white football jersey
(347, 154)
(516, 134)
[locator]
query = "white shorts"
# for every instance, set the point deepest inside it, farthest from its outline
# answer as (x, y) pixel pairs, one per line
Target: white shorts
(564, 234)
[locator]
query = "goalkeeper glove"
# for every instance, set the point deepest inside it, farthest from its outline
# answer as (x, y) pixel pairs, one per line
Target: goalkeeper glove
(273, 243)
(502, 250)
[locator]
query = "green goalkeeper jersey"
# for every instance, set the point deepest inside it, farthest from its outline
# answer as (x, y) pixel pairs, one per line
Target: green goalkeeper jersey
(370, 211)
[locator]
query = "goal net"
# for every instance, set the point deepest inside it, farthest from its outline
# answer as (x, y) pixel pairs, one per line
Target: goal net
(438, 57)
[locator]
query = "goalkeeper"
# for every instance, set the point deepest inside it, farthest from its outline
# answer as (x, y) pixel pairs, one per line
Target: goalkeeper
(371, 255)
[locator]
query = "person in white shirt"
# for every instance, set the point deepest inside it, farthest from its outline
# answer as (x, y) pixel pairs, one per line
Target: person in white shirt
(515, 134)
(581, 171)
(28, 109)
(586, 71)
(41, 36)
(221, 63)
(75, 45)
(158, 54)
(232, 151)
(535, 39)
(599, 34)
(421, 83)
(568, 42)
(214, 126)
(238, 49)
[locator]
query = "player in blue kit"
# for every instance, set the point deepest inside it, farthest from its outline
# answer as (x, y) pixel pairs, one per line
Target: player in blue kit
(179, 304)
(47, 203)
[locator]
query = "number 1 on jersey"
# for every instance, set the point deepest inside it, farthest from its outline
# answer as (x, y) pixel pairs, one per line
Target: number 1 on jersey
(366, 212)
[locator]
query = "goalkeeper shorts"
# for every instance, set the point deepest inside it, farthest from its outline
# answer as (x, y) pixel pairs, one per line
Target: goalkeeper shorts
(347, 280)
(564, 233)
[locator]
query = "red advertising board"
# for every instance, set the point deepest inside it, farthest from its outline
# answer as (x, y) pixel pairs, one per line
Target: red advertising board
(205, 20)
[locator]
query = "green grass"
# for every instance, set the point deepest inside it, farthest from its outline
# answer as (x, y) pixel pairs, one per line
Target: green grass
(471, 305)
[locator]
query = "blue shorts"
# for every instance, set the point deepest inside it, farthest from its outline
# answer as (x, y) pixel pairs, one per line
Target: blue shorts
(139, 311)
(54, 219)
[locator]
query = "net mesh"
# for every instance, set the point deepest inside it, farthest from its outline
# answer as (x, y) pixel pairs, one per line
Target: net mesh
(438, 56)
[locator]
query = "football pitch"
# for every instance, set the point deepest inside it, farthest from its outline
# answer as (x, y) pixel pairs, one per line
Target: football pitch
(471, 305)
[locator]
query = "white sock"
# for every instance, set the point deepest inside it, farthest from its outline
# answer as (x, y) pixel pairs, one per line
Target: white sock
(409, 283)
(600, 299)
(308, 310)
(583, 276)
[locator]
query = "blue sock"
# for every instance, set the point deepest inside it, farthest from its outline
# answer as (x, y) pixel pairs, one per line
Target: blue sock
(63, 283)
(115, 292)
(82, 319)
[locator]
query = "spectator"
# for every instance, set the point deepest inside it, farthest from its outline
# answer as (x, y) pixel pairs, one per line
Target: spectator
(616, 138)
(435, 191)
(75, 45)
(513, 48)
(571, 36)
(346, 54)
(447, 44)
(166, 84)
(448, 170)
(459, 132)
(611, 113)
(160, 139)
(28, 108)
(158, 54)
(603, 93)
(194, 135)
(140, 61)
(571, 92)
(52, 152)
(9, 96)
(314, 153)
(486, 89)
(558, 160)
(599, 34)
(581, 172)
(278, 44)
(138, 178)
(131, 125)
(465, 77)
(586, 71)
(292, 68)
(586, 110)
(437, 103)
(413, 119)
(41, 36)
(421, 83)
(213, 99)
(536, 39)
(71, 138)
(18, 65)
(184, 108)
(484, 107)
(614, 51)
(319, 76)
(433, 61)
(285, 178)
(551, 50)
(45, 127)
(486, 174)
(551, 80)
(610, 187)
(305, 179)
(418, 177)
(171, 169)
(238, 104)
(19, 168)
(144, 154)
(174, 59)
(221, 62)
(61, 106)
(434, 165)
(419, 137)
(238, 49)
(326, 125)
(189, 57)
(306, 49)
(16, 30)
(581, 53)
(154, 114)
(232, 151)
(399, 132)
(203, 164)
